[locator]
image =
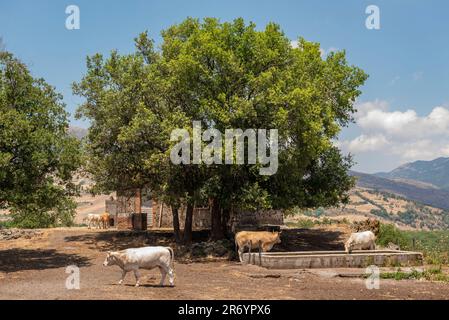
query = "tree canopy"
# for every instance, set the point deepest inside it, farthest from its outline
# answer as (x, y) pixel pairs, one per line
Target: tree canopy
(37, 157)
(225, 75)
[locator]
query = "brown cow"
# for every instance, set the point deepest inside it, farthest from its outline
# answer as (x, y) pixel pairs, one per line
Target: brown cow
(262, 240)
(105, 220)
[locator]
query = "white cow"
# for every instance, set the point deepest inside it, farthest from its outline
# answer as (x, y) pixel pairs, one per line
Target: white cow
(143, 258)
(361, 241)
(93, 220)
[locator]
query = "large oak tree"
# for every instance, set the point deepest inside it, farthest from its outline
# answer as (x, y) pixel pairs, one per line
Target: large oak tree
(226, 75)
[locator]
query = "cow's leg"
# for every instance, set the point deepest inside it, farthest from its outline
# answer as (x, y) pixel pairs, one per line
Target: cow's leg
(137, 275)
(260, 252)
(241, 253)
(124, 272)
(163, 275)
(171, 276)
(249, 252)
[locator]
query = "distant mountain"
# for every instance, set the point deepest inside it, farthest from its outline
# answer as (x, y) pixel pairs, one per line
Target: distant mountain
(77, 132)
(412, 190)
(435, 172)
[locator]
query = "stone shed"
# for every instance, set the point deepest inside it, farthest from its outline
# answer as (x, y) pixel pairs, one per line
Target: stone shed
(132, 206)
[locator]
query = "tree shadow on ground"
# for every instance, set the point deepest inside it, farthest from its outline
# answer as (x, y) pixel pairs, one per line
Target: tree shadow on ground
(16, 259)
(119, 240)
(292, 239)
(310, 240)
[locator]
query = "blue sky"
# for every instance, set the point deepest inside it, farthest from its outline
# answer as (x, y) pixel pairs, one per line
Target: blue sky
(406, 96)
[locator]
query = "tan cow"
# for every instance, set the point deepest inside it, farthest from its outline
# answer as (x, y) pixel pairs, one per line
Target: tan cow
(105, 220)
(262, 240)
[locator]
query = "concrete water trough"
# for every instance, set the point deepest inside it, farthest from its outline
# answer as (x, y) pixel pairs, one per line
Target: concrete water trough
(334, 259)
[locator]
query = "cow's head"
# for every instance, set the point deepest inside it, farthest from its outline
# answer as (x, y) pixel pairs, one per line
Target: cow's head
(278, 237)
(348, 245)
(110, 259)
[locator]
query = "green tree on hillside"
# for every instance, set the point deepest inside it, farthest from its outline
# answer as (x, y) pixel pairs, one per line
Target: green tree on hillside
(226, 75)
(37, 157)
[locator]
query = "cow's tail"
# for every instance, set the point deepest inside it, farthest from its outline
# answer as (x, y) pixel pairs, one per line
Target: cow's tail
(172, 258)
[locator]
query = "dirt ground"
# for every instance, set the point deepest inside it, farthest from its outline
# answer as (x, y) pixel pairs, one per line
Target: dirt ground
(36, 269)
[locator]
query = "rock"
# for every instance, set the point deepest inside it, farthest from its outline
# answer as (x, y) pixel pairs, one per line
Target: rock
(393, 246)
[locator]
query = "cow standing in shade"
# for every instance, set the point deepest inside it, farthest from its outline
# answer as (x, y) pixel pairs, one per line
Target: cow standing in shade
(143, 258)
(262, 240)
(105, 220)
(93, 220)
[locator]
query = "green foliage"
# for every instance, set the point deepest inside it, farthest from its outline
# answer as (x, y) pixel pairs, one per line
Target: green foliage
(390, 233)
(7, 224)
(381, 213)
(433, 244)
(37, 156)
(408, 217)
(432, 274)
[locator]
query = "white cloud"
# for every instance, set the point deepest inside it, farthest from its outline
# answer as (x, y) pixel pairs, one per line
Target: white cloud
(425, 149)
(364, 107)
(374, 117)
(367, 143)
(403, 134)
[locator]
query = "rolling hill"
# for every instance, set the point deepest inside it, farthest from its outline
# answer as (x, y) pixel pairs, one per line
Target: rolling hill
(410, 204)
(434, 172)
(412, 190)
(389, 208)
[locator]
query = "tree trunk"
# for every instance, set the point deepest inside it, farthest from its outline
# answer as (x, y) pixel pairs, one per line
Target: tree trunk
(225, 216)
(176, 229)
(216, 232)
(188, 224)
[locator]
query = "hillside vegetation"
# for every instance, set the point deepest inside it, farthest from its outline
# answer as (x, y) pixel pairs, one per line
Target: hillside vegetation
(387, 207)
(433, 244)
(410, 189)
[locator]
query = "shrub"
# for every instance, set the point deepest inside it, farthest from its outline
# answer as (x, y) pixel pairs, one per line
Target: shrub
(380, 213)
(390, 233)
